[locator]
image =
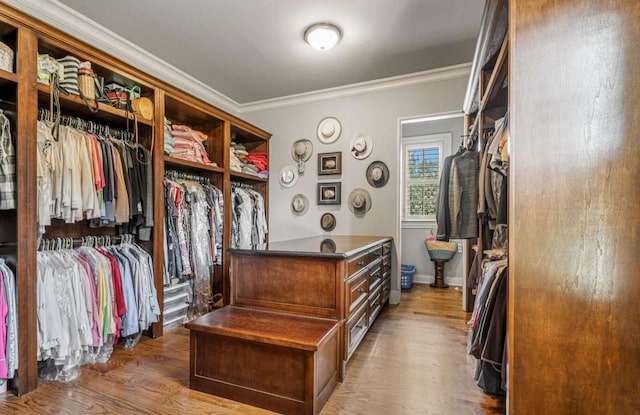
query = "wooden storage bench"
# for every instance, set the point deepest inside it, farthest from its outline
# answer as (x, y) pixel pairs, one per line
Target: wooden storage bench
(282, 362)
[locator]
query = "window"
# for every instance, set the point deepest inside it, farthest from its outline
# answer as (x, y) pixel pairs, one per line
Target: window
(422, 163)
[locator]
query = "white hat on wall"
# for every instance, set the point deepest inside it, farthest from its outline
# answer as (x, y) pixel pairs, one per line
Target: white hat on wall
(301, 151)
(288, 176)
(361, 146)
(329, 130)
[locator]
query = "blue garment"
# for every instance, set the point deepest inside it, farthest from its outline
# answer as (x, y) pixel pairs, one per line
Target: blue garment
(130, 319)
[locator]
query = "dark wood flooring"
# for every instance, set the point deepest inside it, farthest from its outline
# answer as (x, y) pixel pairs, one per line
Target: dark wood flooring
(412, 361)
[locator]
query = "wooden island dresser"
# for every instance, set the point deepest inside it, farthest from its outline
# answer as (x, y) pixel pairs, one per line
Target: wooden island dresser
(298, 311)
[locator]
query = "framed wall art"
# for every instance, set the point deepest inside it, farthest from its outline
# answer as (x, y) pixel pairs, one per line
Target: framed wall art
(329, 193)
(330, 163)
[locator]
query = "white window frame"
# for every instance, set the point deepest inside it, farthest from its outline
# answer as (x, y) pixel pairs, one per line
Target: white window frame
(443, 142)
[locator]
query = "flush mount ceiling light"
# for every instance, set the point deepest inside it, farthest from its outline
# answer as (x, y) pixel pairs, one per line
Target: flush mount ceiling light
(322, 36)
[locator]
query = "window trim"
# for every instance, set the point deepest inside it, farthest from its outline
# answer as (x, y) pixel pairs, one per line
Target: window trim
(441, 140)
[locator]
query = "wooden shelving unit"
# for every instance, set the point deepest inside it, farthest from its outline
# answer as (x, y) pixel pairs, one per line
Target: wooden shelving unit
(21, 95)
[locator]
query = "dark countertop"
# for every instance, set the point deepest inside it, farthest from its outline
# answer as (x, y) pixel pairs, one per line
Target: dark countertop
(317, 246)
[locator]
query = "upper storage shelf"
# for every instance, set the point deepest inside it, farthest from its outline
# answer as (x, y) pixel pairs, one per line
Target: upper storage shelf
(108, 73)
(182, 111)
(74, 105)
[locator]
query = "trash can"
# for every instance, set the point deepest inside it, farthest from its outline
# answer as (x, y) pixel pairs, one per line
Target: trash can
(406, 276)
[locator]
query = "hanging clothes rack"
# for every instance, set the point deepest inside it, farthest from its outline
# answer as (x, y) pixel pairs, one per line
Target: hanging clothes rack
(178, 175)
(93, 127)
(48, 244)
(242, 185)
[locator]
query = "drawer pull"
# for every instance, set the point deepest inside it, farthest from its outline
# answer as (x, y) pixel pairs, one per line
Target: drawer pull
(360, 263)
(361, 290)
(360, 326)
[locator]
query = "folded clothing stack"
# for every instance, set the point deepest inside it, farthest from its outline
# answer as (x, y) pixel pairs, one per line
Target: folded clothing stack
(187, 144)
(168, 138)
(256, 163)
(261, 162)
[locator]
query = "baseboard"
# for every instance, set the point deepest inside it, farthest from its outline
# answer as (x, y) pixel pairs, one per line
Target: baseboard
(428, 279)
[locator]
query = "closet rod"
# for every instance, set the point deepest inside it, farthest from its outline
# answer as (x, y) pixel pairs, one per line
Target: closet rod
(93, 127)
(242, 185)
(176, 175)
(81, 240)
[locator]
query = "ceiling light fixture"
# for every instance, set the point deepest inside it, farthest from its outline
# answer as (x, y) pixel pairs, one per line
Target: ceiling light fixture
(322, 36)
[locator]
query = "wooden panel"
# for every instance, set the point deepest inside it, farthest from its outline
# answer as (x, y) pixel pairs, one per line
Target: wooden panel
(574, 207)
(298, 284)
(235, 361)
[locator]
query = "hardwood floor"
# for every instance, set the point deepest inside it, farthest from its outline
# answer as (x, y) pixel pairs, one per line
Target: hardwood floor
(412, 361)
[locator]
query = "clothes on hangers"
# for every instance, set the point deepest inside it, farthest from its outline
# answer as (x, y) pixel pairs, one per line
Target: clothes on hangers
(7, 166)
(83, 176)
(249, 225)
(487, 333)
(88, 298)
(193, 237)
(485, 342)
(457, 198)
(493, 176)
(8, 323)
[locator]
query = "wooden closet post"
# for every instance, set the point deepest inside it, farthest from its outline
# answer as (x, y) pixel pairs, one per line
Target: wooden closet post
(228, 219)
(158, 204)
(26, 172)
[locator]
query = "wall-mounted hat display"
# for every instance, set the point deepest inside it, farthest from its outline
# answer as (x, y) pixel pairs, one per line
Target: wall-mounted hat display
(361, 146)
(301, 151)
(329, 130)
(299, 204)
(377, 174)
(359, 202)
(288, 176)
(328, 222)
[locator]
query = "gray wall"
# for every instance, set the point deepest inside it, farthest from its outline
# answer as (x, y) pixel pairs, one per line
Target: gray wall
(376, 113)
(414, 234)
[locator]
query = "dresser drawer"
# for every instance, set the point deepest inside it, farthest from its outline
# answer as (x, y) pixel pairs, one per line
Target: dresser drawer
(375, 304)
(357, 290)
(357, 327)
(357, 263)
(362, 260)
(375, 278)
(386, 288)
(386, 248)
(386, 262)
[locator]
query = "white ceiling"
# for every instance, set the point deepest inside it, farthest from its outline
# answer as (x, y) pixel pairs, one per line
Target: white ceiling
(251, 50)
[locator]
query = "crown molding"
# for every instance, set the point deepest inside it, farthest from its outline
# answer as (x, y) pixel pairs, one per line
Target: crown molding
(433, 75)
(66, 19)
